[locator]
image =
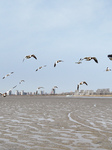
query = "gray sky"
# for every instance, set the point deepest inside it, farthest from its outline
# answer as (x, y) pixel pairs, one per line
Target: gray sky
(52, 30)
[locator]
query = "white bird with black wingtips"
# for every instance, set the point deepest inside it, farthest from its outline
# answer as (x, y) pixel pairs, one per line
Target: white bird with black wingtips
(90, 58)
(57, 62)
(29, 56)
(81, 83)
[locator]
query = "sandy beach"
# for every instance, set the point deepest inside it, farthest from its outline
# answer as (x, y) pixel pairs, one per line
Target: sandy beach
(55, 123)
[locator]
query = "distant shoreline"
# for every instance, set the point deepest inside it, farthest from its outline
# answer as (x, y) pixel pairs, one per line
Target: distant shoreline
(61, 95)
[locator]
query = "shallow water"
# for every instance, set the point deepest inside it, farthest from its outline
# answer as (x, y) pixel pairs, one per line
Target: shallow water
(55, 123)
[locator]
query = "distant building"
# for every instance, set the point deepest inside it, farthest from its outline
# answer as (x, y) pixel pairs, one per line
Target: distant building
(22, 92)
(41, 92)
(53, 91)
(103, 91)
(36, 93)
(9, 92)
(16, 92)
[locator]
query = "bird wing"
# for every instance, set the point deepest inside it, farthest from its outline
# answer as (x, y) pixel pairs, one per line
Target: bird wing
(59, 61)
(36, 70)
(44, 65)
(85, 83)
(55, 64)
(23, 59)
(40, 87)
(55, 87)
(15, 86)
(34, 56)
(85, 58)
(3, 77)
(95, 59)
(77, 86)
(21, 81)
(79, 62)
(40, 67)
(110, 56)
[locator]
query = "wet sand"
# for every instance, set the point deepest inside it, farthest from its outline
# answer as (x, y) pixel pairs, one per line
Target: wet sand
(55, 123)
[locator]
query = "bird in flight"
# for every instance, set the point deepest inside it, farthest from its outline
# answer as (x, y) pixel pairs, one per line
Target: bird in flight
(81, 83)
(4, 94)
(21, 81)
(108, 69)
(14, 87)
(40, 67)
(109, 56)
(79, 62)
(29, 56)
(90, 58)
(57, 62)
(7, 75)
(55, 87)
(40, 87)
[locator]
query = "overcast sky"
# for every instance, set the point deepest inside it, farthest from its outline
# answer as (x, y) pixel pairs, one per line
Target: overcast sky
(52, 30)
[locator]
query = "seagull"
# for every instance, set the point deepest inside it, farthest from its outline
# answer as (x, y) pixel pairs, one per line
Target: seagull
(21, 81)
(81, 83)
(57, 62)
(90, 58)
(40, 67)
(7, 75)
(40, 87)
(4, 94)
(14, 86)
(107, 69)
(55, 87)
(109, 56)
(29, 56)
(79, 62)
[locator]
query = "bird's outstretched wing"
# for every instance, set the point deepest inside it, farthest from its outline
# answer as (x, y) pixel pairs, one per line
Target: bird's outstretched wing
(55, 86)
(40, 87)
(55, 64)
(39, 68)
(109, 56)
(14, 86)
(33, 56)
(85, 82)
(59, 61)
(95, 59)
(79, 62)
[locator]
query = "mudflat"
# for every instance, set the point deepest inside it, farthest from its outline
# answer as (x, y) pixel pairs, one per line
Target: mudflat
(55, 123)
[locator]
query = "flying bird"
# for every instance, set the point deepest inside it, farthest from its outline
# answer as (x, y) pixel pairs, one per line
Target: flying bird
(40, 87)
(21, 81)
(109, 56)
(81, 83)
(40, 67)
(4, 94)
(57, 62)
(108, 69)
(55, 87)
(29, 56)
(79, 62)
(14, 87)
(7, 75)
(90, 58)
